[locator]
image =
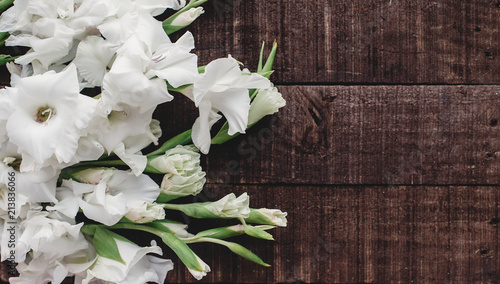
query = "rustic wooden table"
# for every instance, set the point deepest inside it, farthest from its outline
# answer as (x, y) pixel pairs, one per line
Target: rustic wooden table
(387, 155)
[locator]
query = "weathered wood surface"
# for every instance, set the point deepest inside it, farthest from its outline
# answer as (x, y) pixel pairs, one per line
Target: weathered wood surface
(366, 234)
(370, 135)
(394, 175)
(360, 41)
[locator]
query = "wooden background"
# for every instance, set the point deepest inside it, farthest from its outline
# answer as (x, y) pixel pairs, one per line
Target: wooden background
(387, 155)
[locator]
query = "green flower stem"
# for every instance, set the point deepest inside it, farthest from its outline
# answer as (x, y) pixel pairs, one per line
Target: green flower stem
(137, 227)
(237, 249)
(4, 58)
(96, 164)
(181, 139)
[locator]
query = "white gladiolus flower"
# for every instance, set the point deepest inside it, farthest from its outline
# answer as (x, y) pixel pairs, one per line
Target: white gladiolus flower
(39, 269)
(139, 267)
(125, 131)
(127, 84)
(48, 116)
(117, 193)
(231, 207)
(223, 87)
(266, 102)
(189, 16)
(59, 148)
(55, 238)
(92, 58)
(172, 61)
(143, 60)
(38, 185)
(51, 40)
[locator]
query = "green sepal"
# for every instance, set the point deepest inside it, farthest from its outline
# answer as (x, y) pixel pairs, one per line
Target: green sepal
(258, 218)
(258, 233)
(267, 74)
(221, 233)
(167, 24)
(270, 59)
(185, 254)
(195, 210)
(164, 198)
(160, 225)
(105, 244)
(244, 252)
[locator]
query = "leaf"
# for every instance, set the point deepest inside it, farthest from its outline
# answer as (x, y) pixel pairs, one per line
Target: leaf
(186, 255)
(258, 233)
(261, 58)
(270, 60)
(245, 253)
(221, 233)
(105, 244)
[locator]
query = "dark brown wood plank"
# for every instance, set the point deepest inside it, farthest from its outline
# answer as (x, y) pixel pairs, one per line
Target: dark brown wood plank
(339, 234)
(376, 234)
(370, 135)
(360, 41)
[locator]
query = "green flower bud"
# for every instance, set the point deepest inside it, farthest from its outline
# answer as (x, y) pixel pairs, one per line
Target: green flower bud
(186, 18)
(257, 232)
(264, 216)
(181, 20)
(227, 207)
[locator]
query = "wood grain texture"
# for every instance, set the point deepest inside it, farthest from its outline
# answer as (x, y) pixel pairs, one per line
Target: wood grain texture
(360, 41)
(370, 135)
(365, 234)
(362, 234)
(387, 154)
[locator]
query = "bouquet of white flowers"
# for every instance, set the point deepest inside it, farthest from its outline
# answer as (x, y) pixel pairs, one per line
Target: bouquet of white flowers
(73, 174)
